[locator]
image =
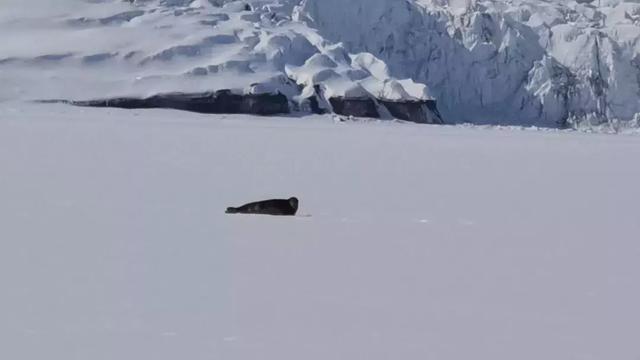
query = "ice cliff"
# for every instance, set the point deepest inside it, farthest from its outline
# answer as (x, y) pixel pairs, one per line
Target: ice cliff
(525, 62)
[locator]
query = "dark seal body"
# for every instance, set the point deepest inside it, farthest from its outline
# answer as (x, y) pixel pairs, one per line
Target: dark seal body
(281, 207)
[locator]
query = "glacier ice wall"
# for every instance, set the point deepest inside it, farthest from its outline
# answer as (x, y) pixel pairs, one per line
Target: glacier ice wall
(546, 63)
(527, 62)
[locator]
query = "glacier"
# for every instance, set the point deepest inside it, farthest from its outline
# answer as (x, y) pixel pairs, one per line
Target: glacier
(515, 62)
(545, 63)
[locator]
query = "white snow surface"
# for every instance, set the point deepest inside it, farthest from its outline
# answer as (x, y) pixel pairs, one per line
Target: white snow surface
(551, 63)
(420, 242)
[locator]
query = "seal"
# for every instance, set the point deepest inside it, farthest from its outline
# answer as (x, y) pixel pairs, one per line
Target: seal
(279, 207)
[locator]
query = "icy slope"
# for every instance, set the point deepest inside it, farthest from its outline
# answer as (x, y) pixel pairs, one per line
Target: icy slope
(84, 50)
(425, 242)
(518, 62)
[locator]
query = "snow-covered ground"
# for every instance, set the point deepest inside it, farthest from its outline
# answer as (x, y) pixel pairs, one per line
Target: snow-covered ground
(423, 242)
(413, 242)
